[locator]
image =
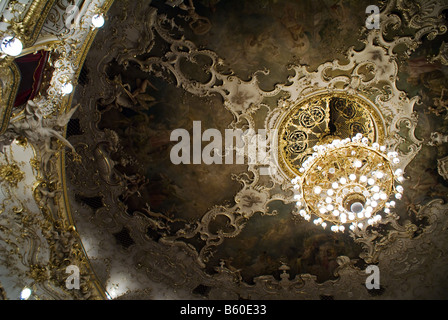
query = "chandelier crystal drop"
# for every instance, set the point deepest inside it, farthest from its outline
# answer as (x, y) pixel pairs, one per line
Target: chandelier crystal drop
(348, 181)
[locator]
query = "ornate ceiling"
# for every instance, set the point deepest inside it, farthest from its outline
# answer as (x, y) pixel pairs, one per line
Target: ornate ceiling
(87, 178)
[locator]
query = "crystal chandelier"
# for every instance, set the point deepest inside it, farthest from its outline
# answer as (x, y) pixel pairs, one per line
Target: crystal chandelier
(348, 181)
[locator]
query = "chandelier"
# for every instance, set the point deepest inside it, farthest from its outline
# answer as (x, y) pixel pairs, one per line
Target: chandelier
(348, 181)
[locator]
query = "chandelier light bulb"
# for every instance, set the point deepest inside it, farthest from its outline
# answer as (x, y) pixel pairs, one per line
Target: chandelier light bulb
(357, 207)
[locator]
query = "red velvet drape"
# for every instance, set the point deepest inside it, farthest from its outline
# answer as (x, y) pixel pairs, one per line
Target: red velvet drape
(36, 62)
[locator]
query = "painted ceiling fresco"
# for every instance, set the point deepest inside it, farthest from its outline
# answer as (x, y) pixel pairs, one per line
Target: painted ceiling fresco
(138, 87)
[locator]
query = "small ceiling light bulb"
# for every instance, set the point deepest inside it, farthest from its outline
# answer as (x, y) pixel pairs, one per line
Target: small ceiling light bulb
(357, 163)
(352, 177)
(98, 20)
(317, 190)
(67, 88)
(11, 46)
(343, 180)
(363, 179)
(25, 294)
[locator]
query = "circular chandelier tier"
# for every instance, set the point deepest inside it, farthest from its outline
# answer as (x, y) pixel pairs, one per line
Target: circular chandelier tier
(348, 181)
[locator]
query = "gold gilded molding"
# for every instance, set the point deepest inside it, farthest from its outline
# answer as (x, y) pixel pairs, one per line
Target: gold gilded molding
(29, 28)
(27, 31)
(316, 119)
(11, 173)
(9, 85)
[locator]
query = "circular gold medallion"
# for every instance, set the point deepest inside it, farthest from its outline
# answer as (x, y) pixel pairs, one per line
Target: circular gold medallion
(320, 118)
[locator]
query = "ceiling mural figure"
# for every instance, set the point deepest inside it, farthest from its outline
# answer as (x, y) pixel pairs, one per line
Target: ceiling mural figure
(266, 82)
